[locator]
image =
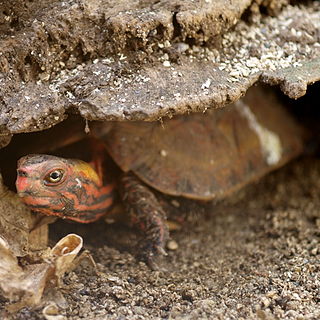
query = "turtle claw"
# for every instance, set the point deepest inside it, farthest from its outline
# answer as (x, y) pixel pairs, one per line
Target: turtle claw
(150, 258)
(161, 251)
(150, 262)
(154, 266)
(149, 253)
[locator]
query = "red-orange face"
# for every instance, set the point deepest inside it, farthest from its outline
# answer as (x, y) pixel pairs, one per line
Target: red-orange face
(66, 188)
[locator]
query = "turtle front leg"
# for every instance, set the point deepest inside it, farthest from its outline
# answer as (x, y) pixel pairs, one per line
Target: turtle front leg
(147, 215)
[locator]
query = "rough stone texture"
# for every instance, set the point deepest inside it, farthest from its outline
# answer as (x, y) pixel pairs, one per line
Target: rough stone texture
(128, 60)
(293, 82)
(154, 91)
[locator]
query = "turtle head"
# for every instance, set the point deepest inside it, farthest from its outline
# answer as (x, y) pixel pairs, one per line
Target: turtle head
(55, 186)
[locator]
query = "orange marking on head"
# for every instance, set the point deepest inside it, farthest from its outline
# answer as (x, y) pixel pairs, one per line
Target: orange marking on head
(33, 201)
(95, 206)
(87, 171)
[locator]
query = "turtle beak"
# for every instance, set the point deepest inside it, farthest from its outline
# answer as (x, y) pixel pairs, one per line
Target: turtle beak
(22, 181)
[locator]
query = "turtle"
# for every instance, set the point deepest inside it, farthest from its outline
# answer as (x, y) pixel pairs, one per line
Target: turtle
(201, 156)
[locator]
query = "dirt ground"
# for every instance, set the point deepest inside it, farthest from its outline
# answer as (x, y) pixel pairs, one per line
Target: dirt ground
(252, 256)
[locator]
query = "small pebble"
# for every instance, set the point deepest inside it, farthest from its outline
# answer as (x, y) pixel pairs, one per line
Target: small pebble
(166, 63)
(163, 153)
(172, 245)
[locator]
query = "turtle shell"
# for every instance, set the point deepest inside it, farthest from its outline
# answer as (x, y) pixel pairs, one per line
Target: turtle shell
(206, 156)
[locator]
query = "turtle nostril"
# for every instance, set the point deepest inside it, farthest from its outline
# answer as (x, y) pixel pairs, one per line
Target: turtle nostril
(22, 173)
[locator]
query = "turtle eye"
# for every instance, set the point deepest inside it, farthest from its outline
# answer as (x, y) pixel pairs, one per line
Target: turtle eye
(54, 177)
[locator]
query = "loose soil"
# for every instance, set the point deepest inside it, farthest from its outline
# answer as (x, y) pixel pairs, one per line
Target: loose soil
(252, 256)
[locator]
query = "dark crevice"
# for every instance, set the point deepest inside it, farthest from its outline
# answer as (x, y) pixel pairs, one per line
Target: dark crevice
(246, 15)
(305, 108)
(15, 23)
(191, 41)
(27, 60)
(307, 113)
(160, 31)
(177, 29)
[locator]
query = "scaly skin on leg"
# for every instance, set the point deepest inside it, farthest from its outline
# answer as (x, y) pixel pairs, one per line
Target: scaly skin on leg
(147, 215)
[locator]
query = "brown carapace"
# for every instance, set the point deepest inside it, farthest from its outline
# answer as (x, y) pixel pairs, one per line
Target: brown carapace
(199, 156)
